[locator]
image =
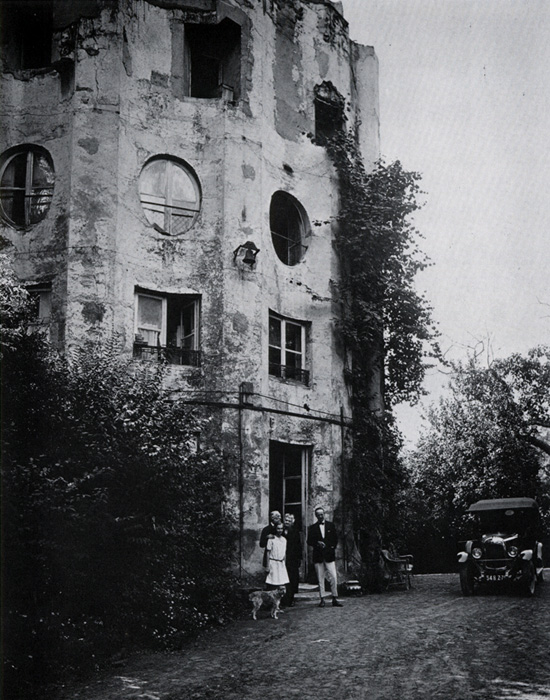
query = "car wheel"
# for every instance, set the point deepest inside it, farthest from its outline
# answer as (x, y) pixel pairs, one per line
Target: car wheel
(529, 579)
(466, 580)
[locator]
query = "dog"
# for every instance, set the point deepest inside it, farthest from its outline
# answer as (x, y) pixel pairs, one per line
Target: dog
(273, 598)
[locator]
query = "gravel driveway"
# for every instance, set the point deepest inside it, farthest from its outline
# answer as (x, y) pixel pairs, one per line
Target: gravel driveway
(429, 642)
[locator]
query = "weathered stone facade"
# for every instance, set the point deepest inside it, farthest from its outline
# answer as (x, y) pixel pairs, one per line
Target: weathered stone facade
(222, 102)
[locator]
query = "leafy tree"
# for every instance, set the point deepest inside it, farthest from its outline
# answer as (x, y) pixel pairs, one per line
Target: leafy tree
(482, 442)
(521, 385)
(115, 533)
(386, 323)
(386, 327)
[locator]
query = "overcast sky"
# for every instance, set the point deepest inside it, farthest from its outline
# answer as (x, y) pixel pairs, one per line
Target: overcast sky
(465, 101)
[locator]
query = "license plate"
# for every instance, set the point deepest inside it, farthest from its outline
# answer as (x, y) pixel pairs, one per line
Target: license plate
(494, 577)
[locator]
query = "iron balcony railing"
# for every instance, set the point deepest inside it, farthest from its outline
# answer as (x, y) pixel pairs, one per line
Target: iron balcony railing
(289, 372)
(172, 355)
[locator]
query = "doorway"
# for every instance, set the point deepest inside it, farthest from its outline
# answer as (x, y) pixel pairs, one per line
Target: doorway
(288, 475)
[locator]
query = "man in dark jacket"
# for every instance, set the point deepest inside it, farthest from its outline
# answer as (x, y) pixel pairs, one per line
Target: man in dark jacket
(323, 538)
(293, 558)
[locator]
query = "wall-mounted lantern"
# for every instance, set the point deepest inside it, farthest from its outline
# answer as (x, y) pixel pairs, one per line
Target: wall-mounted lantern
(247, 252)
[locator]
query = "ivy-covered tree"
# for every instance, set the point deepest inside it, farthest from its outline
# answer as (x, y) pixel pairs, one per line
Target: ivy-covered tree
(386, 325)
(483, 441)
(115, 533)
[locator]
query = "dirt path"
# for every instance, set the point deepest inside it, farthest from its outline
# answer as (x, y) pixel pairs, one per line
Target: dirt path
(421, 644)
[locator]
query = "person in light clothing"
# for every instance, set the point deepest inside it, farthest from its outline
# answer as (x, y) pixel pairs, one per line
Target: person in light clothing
(323, 538)
(276, 555)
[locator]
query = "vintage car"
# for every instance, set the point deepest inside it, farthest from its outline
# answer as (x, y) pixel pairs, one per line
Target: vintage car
(505, 545)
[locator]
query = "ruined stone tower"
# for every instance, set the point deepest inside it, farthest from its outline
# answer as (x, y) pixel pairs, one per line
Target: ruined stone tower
(164, 181)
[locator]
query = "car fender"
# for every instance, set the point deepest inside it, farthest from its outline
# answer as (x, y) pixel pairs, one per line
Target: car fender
(527, 555)
(462, 557)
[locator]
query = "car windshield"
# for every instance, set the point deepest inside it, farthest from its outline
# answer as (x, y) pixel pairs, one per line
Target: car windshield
(507, 522)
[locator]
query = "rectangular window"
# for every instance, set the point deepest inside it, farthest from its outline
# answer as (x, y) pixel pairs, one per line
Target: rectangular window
(27, 32)
(151, 319)
(287, 347)
(213, 60)
(41, 300)
(329, 120)
(167, 326)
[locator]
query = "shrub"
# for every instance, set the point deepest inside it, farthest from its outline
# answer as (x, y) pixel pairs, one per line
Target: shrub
(116, 533)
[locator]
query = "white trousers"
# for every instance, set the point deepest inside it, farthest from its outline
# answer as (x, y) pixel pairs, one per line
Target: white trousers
(327, 568)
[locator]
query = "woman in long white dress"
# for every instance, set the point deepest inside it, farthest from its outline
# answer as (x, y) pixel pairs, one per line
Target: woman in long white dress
(276, 556)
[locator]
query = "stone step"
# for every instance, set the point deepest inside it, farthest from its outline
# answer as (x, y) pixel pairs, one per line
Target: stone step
(307, 591)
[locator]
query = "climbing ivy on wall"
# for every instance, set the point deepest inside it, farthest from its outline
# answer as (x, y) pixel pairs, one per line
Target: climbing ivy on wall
(385, 321)
(386, 325)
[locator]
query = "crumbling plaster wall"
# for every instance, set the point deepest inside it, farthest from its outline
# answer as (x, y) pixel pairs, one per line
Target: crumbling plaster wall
(312, 45)
(94, 196)
(240, 163)
(239, 156)
(255, 170)
(193, 130)
(128, 106)
(77, 122)
(35, 110)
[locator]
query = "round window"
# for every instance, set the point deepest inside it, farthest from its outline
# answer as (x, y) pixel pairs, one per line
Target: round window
(26, 185)
(170, 195)
(289, 227)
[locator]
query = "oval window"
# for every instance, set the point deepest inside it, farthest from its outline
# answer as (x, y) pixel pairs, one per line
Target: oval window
(170, 195)
(289, 227)
(26, 185)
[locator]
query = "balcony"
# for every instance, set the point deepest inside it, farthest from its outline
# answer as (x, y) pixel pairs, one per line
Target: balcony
(171, 355)
(289, 372)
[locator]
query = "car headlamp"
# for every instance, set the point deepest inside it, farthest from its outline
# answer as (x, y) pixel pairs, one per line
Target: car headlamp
(513, 551)
(476, 553)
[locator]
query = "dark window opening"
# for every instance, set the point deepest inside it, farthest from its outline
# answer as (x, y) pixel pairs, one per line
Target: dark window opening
(27, 31)
(329, 120)
(213, 53)
(40, 302)
(288, 227)
(167, 328)
(329, 112)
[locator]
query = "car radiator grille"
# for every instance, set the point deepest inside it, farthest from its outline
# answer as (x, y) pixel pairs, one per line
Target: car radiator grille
(495, 551)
